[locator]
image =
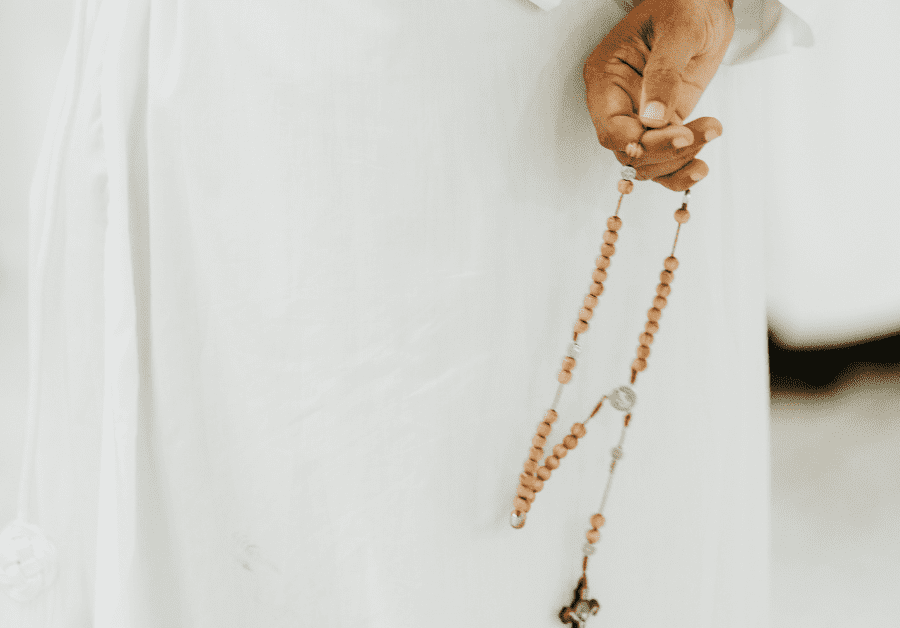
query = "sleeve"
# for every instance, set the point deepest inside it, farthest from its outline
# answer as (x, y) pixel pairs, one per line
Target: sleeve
(763, 28)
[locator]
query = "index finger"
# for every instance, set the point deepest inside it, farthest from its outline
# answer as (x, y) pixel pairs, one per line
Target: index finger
(611, 108)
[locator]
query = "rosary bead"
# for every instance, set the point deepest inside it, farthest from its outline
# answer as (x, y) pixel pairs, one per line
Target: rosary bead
(608, 250)
(552, 462)
(581, 327)
(639, 365)
(654, 314)
(525, 492)
(551, 416)
(544, 429)
(599, 275)
(671, 263)
(645, 339)
(544, 473)
(567, 365)
(614, 223)
(530, 481)
(652, 327)
(571, 442)
(682, 215)
(522, 504)
(578, 430)
(628, 172)
(597, 521)
(560, 451)
(659, 302)
(663, 289)
(643, 351)
(585, 314)
(610, 236)
(623, 398)
(603, 261)
(596, 289)
(535, 454)
(666, 277)
(538, 441)
(590, 301)
(531, 466)
(587, 549)
(536, 485)
(625, 186)
(617, 453)
(565, 377)
(517, 519)
(593, 536)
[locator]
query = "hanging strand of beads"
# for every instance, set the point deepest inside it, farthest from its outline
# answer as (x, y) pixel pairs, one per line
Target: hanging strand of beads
(531, 481)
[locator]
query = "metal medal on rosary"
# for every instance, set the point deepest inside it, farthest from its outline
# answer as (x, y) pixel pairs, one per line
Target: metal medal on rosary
(622, 398)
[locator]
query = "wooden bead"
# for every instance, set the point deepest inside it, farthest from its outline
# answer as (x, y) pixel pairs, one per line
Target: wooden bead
(614, 223)
(654, 314)
(682, 215)
(643, 351)
(596, 289)
(578, 430)
(531, 466)
(537, 485)
(522, 504)
(652, 327)
(585, 314)
(599, 275)
(568, 363)
(603, 261)
(666, 277)
(639, 365)
(581, 327)
(610, 236)
(625, 186)
(560, 451)
(671, 263)
(529, 481)
(564, 377)
(551, 416)
(552, 462)
(590, 301)
(593, 536)
(608, 250)
(543, 473)
(663, 290)
(524, 491)
(545, 428)
(646, 339)
(535, 453)
(538, 440)
(570, 442)
(659, 302)
(597, 521)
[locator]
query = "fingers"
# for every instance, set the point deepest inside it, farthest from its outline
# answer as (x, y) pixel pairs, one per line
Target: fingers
(661, 145)
(682, 179)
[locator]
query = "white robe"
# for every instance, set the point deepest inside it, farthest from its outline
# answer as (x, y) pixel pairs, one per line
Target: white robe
(303, 275)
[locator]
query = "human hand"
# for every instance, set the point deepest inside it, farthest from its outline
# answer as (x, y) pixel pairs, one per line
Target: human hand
(664, 52)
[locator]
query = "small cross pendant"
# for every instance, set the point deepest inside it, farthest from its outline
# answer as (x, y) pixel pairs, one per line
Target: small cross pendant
(577, 613)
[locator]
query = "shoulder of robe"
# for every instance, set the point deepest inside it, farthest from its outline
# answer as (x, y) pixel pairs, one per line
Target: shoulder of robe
(763, 28)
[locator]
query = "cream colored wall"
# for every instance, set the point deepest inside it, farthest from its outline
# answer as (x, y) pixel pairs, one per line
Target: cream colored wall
(33, 36)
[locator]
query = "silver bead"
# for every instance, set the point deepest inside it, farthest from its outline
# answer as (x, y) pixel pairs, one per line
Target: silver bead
(629, 173)
(588, 549)
(574, 349)
(617, 453)
(623, 398)
(517, 520)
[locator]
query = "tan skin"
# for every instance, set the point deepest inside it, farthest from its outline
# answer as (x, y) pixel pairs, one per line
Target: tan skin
(665, 51)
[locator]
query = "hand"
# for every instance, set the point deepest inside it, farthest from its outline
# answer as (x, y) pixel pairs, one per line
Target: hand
(664, 52)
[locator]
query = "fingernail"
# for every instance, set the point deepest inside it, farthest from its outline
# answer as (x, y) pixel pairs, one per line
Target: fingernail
(711, 134)
(680, 142)
(654, 110)
(696, 176)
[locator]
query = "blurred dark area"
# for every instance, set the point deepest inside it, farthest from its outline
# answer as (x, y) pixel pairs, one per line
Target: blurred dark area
(824, 367)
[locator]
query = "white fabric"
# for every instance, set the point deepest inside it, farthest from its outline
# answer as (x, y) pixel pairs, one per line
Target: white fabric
(311, 269)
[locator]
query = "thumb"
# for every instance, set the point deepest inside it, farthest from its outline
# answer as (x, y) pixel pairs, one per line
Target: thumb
(672, 51)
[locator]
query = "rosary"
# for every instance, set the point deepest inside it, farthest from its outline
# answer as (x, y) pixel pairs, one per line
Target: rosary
(621, 398)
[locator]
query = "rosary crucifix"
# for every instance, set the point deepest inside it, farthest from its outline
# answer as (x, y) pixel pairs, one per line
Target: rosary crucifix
(581, 608)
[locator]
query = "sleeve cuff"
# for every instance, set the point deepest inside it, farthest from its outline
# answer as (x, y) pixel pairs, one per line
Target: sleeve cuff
(765, 28)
